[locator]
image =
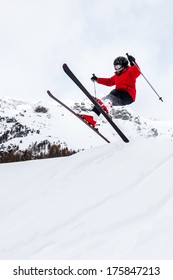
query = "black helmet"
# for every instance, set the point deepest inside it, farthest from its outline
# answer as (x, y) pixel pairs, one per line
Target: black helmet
(121, 60)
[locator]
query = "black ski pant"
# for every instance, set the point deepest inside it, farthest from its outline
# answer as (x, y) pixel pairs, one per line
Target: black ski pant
(117, 98)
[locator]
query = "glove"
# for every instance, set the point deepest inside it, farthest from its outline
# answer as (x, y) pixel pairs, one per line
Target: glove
(94, 78)
(131, 59)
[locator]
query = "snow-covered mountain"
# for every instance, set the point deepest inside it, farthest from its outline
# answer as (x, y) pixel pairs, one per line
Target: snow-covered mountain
(22, 125)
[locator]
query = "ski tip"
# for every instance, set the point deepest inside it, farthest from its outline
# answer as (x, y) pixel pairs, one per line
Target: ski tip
(48, 91)
(65, 68)
(64, 65)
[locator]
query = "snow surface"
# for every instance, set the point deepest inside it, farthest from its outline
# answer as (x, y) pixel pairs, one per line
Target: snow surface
(114, 201)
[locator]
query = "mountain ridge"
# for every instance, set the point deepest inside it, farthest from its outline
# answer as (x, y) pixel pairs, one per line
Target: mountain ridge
(23, 124)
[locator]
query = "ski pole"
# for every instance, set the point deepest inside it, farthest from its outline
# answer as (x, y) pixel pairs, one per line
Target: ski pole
(160, 98)
(94, 87)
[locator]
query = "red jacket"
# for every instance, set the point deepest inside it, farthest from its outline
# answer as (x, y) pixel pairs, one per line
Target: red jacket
(125, 81)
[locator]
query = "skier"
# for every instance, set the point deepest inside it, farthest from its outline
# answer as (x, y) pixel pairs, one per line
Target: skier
(124, 93)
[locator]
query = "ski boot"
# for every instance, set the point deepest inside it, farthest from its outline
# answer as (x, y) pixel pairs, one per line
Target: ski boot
(102, 105)
(89, 119)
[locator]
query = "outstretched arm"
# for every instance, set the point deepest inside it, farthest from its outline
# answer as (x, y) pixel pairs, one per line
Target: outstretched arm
(106, 81)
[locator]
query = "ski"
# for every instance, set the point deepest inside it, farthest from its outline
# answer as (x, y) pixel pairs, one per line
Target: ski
(77, 115)
(92, 99)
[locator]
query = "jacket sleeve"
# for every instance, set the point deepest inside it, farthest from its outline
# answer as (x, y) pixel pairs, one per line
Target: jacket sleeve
(135, 70)
(107, 81)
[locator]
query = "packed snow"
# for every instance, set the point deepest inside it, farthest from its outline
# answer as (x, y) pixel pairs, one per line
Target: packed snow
(113, 201)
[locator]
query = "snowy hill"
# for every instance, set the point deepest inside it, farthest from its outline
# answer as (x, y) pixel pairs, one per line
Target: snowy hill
(23, 125)
(110, 202)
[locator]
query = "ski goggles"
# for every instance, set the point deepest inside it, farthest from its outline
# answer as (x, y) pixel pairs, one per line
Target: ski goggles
(118, 66)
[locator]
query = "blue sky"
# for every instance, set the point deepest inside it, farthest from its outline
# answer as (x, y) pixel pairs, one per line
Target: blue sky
(38, 36)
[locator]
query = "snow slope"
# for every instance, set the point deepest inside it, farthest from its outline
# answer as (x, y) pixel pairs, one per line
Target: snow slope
(114, 201)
